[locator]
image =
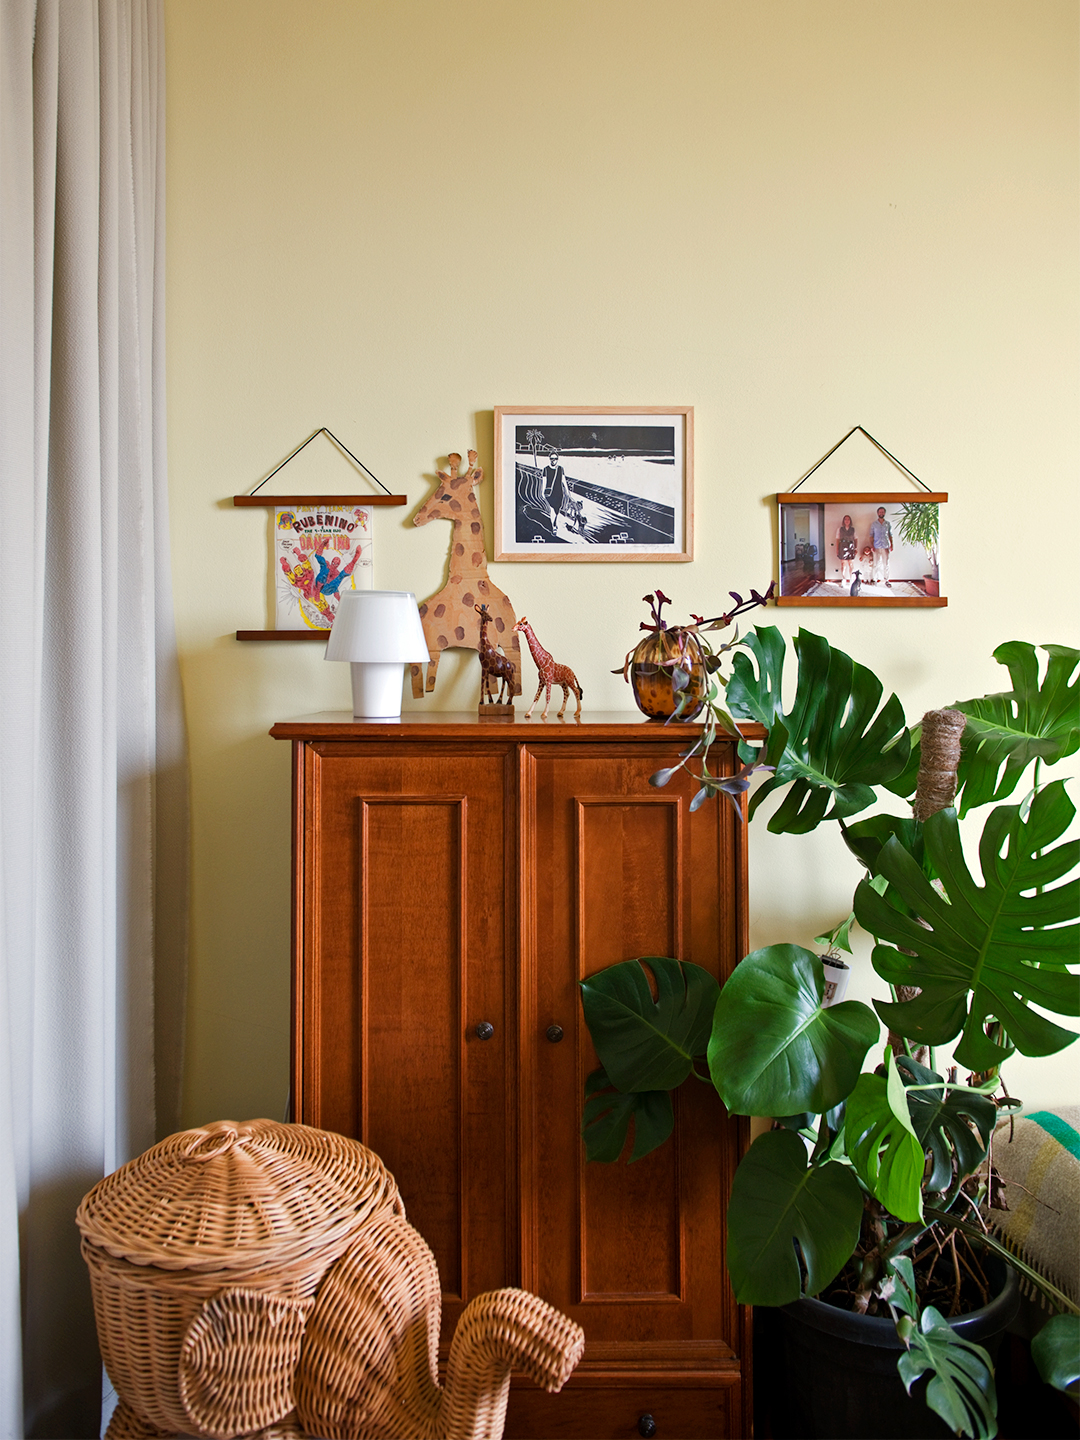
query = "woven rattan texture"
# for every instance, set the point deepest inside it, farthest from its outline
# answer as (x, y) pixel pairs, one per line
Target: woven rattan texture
(370, 1362)
(126, 1425)
(328, 1332)
(369, 1366)
(228, 1196)
(239, 1359)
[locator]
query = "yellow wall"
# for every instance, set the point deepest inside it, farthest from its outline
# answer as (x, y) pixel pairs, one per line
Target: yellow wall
(387, 216)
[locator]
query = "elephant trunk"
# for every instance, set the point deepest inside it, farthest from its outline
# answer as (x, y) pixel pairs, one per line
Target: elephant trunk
(497, 1332)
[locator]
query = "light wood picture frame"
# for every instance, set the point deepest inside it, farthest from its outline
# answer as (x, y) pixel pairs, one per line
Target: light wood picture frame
(830, 555)
(594, 482)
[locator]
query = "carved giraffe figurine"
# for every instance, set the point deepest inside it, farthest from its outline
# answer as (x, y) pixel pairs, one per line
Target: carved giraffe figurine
(551, 673)
(449, 616)
(493, 666)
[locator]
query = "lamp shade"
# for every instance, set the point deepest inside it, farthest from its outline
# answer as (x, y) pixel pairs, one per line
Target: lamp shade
(377, 627)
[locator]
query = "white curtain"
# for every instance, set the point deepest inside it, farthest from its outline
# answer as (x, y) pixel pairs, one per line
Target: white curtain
(91, 744)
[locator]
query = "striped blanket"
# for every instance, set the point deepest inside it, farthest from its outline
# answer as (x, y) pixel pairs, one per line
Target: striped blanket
(1041, 1169)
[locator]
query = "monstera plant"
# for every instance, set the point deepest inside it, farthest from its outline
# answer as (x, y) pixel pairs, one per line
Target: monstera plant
(873, 1150)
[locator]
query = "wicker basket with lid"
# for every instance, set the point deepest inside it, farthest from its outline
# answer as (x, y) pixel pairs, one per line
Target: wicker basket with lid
(205, 1254)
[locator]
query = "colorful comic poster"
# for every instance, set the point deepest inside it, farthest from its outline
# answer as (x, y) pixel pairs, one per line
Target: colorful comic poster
(319, 551)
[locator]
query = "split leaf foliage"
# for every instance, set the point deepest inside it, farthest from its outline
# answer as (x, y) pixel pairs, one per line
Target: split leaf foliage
(834, 744)
(646, 1043)
(608, 1113)
(987, 952)
(961, 1387)
(774, 1048)
(778, 1201)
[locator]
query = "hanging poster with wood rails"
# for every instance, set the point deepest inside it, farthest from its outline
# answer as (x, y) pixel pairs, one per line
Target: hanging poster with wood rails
(320, 548)
(867, 547)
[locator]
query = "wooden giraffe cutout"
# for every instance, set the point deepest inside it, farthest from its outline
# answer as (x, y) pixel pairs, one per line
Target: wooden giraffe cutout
(449, 617)
(496, 671)
(551, 673)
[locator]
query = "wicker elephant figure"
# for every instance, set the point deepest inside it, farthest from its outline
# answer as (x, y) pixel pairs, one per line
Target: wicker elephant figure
(329, 1327)
(368, 1366)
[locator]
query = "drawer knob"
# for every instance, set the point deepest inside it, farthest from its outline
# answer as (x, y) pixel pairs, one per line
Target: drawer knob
(646, 1425)
(485, 1030)
(554, 1033)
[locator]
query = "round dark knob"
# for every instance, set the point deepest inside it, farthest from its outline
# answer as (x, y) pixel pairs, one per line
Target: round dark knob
(554, 1033)
(646, 1425)
(485, 1030)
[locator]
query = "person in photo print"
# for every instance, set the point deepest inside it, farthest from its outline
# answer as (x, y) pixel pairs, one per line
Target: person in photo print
(846, 547)
(554, 485)
(882, 541)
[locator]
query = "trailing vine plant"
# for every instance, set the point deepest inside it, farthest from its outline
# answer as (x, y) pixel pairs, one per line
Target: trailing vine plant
(680, 649)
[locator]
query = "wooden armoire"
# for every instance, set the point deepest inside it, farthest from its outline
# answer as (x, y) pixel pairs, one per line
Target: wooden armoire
(453, 882)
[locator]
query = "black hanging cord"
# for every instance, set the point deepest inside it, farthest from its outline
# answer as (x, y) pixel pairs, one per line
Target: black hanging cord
(322, 430)
(879, 445)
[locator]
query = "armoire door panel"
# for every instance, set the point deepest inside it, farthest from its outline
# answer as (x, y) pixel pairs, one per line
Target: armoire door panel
(410, 879)
(640, 870)
(630, 1229)
(626, 874)
(412, 950)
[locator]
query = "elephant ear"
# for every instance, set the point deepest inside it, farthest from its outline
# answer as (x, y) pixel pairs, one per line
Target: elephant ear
(238, 1360)
(370, 1358)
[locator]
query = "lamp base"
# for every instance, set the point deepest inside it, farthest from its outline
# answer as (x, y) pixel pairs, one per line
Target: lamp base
(376, 690)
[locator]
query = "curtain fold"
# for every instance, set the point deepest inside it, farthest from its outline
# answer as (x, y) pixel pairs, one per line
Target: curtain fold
(92, 766)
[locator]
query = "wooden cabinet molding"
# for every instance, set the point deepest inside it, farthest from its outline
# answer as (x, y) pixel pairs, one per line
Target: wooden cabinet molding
(453, 882)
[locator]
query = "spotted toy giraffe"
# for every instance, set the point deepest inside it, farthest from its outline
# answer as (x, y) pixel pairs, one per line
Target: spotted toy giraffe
(495, 669)
(551, 673)
(449, 617)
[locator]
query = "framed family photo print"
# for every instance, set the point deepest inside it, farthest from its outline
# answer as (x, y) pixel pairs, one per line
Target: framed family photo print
(581, 482)
(860, 549)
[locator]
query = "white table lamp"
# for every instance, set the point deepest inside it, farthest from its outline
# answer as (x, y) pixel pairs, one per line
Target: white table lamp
(378, 632)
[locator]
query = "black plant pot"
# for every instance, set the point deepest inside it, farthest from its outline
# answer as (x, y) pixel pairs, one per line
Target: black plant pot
(837, 1370)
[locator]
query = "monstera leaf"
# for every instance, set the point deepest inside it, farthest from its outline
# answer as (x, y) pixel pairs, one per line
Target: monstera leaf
(647, 1044)
(774, 1050)
(1056, 1351)
(961, 1388)
(834, 745)
(778, 1201)
(1007, 731)
(881, 1143)
(757, 697)
(1004, 944)
(943, 1118)
(608, 1112)
(865, 838)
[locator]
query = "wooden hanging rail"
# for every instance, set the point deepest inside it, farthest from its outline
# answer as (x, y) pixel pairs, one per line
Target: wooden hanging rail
(277, 500)
(848, 497)
(283, 634)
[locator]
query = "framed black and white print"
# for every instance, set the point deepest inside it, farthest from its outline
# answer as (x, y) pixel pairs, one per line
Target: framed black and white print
(580, 482)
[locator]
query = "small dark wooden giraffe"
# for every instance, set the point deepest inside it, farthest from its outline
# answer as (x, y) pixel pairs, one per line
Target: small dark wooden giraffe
(551, 673)
(495, 669)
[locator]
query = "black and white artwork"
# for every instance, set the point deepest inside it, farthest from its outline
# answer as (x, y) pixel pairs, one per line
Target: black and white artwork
(592, 484)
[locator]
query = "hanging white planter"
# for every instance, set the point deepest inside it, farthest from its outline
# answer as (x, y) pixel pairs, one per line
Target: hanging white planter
(837, 975)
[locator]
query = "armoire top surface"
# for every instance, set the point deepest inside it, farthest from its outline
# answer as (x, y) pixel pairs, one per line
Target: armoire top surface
(598, 724)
